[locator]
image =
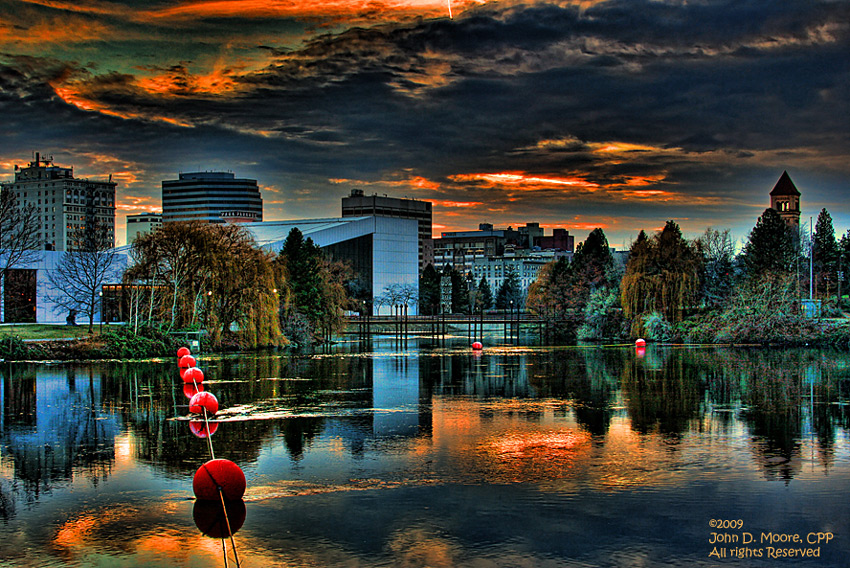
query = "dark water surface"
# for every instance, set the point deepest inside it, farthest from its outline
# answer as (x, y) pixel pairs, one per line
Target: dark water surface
(389, 455)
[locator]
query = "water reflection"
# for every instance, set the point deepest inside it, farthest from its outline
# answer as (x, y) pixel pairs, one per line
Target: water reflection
(53, 427)
(563, 423)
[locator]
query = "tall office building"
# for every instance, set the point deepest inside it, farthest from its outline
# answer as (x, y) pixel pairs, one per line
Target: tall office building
(142, 224)
(64, 203)
(359, 205)
(212, 197)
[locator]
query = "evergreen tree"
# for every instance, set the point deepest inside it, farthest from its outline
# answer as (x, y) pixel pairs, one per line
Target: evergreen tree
(825, 254)
(429, 291)
(484, 295)
(770, 248)
(316, 287)
(301, 259)
(562, 289)
(510, 290)
(593, 262)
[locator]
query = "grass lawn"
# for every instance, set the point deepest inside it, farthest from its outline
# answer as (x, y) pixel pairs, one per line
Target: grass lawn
(45, 331)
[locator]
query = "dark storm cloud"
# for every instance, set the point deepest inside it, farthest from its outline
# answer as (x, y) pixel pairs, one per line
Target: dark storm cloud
(693, 100)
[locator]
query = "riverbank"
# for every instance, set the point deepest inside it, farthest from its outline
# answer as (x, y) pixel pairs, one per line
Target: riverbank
(42, 342)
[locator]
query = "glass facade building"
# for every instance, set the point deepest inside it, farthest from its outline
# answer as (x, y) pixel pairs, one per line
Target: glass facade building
(211, 197)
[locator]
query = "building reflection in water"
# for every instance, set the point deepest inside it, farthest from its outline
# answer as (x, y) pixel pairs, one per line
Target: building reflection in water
(53, 428)
(507, 414)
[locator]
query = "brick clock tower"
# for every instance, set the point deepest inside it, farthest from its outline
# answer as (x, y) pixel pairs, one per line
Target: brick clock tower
(785, 199)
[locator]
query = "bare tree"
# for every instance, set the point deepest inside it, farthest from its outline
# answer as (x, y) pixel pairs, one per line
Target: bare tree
(84, 268)
(19, 242)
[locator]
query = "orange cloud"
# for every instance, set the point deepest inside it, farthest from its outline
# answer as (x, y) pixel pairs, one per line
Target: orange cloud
(180, 82)
(523, 181)
(588, 226)
(639, 181)
(458, 203)
(405, 182)
(84, 7)
(78, 96)
(303, 9)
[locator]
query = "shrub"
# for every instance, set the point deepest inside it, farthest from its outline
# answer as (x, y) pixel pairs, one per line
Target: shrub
(148, 342)
(657, 327)
(13, 348)
(603, 317)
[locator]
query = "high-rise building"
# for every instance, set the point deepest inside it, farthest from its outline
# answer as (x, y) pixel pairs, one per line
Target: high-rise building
(142, 224)
(785, 199)
(211, 197)
(359, 205)
(64, 203)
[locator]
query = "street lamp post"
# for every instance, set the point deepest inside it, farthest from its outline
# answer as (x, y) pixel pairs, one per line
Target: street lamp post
(511, 324)
(100, 294)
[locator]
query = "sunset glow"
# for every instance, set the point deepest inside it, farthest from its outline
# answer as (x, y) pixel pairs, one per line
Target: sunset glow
(521, 180)
(570, 113)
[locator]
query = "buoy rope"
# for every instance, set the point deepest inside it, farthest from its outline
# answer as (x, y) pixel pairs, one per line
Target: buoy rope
(224, 552)
(219, 488)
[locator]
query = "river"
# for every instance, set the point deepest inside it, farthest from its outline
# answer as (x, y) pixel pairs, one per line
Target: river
(417, 454)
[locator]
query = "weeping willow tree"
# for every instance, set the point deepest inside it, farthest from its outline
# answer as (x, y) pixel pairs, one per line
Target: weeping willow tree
(208, 275)
(662, 276)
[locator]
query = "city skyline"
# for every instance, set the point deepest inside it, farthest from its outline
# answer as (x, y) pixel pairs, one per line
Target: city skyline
(619, 115)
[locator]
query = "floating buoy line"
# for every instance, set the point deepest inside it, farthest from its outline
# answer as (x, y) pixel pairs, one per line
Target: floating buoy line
(219, 484)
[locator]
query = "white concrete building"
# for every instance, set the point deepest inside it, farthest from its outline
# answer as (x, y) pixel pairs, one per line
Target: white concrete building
(526, 264)
(383, 251)
(27, 291)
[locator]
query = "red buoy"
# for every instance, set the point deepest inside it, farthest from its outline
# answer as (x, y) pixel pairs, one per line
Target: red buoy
(210, 517)
(193, 375)
(640, 352)
(640, 343)
(203, 400)
(182, 352)
(215, 475)
(199, 428)
(190, 389)
(186, 361)
(477, 346)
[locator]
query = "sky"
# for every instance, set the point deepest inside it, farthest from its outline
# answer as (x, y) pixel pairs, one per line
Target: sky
(618, 114)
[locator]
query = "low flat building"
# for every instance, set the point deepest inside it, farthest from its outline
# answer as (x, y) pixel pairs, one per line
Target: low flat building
(28, 290)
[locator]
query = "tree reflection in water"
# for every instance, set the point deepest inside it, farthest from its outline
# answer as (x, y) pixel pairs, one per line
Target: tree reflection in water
(60, 422)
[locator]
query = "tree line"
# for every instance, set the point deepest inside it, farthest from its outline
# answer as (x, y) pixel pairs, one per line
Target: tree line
(214, 277)
(699, 290)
